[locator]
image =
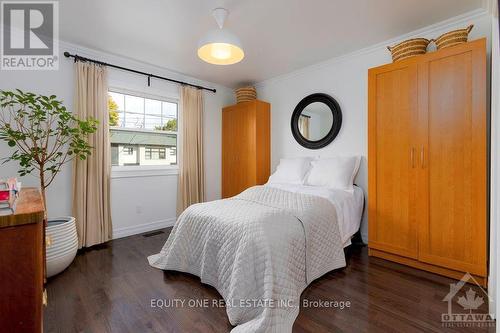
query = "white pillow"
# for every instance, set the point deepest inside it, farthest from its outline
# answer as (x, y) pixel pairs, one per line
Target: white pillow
(291, 171)
(334, 172)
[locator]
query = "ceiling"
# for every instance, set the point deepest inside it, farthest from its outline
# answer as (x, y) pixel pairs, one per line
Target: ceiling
(278, 36)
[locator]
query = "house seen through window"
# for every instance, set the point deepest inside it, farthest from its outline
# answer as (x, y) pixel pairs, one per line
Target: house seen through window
(143, 130)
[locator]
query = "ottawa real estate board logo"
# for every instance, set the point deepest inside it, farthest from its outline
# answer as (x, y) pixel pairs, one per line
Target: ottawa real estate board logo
(467, 305)
(29, 35)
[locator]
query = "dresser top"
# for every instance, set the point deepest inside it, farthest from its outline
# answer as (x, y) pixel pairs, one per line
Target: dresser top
(28, 209)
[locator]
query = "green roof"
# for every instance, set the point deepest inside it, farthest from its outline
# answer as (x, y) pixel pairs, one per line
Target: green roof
(131, 137)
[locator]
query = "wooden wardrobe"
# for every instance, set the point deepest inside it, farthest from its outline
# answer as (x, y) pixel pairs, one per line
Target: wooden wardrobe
(427, 161)
(246, 153)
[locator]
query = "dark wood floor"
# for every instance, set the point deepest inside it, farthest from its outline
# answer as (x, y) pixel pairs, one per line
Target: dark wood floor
(110, 288)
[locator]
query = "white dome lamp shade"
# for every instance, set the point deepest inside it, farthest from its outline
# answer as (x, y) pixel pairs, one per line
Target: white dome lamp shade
(220, 47)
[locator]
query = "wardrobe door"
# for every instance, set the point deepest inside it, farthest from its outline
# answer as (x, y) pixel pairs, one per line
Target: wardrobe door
(452, 150)
(238, 148)
(229, 151)
(247, 146)
(263, 142)
(392, 158)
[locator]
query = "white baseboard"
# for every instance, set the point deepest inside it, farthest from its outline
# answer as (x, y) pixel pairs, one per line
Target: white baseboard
(140, 228)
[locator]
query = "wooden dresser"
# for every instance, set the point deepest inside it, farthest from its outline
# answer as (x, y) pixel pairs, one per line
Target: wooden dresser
(427, 161)
(22, 265)
(246, 151)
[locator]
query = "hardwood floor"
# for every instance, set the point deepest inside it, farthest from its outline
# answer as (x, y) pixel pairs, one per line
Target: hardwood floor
(109, 289)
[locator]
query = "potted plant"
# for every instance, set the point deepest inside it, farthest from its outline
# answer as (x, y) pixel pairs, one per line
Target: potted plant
(44, 136)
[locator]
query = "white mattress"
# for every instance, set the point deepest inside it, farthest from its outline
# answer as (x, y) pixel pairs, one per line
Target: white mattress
(349, 206)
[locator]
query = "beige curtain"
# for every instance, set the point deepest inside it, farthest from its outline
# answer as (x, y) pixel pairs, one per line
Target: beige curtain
(304, 126)
(91, 177)
(191, 185)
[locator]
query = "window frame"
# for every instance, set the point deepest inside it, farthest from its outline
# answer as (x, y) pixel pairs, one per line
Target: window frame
(125, 171)
(129, 149)
(150, 151)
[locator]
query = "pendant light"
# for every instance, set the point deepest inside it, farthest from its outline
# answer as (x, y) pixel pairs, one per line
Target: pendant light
(220, 47)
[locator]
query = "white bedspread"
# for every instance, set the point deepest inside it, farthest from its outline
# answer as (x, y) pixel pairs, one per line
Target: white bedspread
(259, 249)
(349, 205)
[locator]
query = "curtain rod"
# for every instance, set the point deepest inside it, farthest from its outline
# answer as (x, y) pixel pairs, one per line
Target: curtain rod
(80, 58)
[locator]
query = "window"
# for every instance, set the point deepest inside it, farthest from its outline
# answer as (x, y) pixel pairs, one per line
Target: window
(128, 150)
(143, 130)
(155, 153)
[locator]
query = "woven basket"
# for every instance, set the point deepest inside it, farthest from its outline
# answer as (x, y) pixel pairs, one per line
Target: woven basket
(246, 94)
(408, 48)
(453, 38)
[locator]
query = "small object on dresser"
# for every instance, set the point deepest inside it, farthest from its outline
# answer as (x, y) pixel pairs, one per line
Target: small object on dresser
(4, 191)
(7, 198)
(14, 185)
(5, 211)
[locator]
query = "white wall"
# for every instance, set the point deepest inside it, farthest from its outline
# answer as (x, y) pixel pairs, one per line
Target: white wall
(345, 78)
(143, 201)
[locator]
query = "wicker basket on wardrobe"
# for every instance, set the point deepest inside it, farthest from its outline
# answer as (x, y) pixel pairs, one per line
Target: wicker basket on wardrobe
(453, 38)
(408, 48)
(246, 94)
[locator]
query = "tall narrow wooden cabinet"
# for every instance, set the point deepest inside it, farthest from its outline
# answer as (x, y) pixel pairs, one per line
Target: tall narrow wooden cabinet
(246, 135)
(427, 161)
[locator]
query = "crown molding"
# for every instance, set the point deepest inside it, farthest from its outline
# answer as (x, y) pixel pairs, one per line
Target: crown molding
(491, 6)
(428, 30)
(136, 64)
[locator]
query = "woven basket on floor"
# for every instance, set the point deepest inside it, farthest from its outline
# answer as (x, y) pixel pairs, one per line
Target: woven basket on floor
(408, 48)
(453, 38)
(246, 94)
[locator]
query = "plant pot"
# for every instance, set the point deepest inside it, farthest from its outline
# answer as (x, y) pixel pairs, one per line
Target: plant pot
(64, 244)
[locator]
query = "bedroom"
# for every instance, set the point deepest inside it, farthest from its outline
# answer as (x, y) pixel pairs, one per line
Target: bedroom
(345, 188)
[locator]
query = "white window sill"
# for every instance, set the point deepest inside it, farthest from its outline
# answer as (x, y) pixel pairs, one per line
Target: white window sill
(143, 171)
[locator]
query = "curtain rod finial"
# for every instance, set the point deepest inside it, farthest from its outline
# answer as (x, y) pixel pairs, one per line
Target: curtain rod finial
(66, 54)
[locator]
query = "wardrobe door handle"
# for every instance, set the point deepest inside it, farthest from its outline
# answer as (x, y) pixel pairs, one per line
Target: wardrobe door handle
(422, 157)
(412, 157)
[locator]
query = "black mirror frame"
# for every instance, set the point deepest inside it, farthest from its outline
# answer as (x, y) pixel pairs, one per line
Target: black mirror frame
(336, 125)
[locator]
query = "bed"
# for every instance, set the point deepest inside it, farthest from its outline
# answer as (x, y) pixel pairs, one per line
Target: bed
(349, 206)
(263, 247)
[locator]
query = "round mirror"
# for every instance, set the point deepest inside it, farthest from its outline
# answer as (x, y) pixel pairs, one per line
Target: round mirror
(316, 121)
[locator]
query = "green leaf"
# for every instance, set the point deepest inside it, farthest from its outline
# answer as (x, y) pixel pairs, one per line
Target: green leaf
(29, 115)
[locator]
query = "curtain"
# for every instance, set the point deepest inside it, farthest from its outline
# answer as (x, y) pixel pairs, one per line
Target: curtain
(91, 177)
(191, 185)
(304, 126)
